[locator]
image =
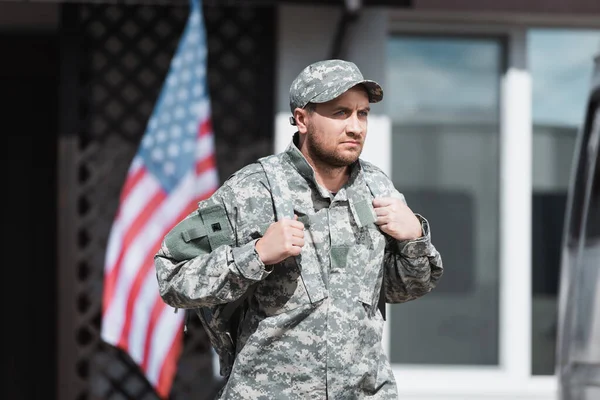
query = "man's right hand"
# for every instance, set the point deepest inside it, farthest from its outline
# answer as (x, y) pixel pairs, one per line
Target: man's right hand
(282, 239)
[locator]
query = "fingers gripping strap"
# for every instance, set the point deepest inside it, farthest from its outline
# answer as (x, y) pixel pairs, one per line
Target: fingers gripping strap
(361, 208)
(281, 194)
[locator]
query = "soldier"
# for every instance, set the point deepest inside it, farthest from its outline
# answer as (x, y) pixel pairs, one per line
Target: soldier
(304, 243)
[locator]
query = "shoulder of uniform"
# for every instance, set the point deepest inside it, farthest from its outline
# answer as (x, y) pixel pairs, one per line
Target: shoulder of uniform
(245, 175)
(372, 169)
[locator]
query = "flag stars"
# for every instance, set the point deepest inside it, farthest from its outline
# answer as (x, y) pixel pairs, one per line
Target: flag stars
(158, 154)
(194, 38)
(161, 136)
(172, 80)
(176, 132)
(179, 113)
(182, 95)
(186, 75)
(188, 58)
(169, 100)
(197, 90)
(173, 150)
(148, 141)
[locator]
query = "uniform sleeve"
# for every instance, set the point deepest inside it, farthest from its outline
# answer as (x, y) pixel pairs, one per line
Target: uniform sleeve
(412, 268)
(200, 264)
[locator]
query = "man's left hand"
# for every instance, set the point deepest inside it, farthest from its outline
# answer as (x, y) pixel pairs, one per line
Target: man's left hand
(396, 219)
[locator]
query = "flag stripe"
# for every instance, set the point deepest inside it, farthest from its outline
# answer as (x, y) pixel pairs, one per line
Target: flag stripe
(132, 233)
(169, 367)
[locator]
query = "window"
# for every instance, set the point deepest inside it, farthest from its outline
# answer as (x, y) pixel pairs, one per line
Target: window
(444, 101)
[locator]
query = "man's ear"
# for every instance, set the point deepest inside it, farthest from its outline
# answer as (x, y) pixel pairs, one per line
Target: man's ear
(301, 117)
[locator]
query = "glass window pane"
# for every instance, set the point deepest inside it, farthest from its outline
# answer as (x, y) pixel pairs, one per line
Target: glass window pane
(561, 86)
(443, 99)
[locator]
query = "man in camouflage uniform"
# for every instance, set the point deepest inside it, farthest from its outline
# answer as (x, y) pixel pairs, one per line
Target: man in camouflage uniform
(311, 328)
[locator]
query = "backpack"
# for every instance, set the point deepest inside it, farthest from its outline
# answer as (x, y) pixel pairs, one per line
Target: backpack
(221, 322)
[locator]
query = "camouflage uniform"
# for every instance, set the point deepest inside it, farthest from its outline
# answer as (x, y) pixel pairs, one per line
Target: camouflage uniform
(312, 329)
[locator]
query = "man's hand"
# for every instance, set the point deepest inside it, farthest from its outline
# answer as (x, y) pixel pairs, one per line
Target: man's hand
(282, 239)
(396, 219)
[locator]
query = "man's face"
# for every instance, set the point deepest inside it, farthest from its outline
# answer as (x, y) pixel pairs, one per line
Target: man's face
(336, 130)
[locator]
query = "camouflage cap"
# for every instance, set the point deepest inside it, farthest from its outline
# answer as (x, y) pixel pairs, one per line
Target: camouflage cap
(325, 80)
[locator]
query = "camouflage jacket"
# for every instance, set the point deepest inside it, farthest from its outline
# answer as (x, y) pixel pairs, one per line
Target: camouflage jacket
(313, 329)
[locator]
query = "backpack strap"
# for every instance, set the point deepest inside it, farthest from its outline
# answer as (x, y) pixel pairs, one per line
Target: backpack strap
(280, 191)
(376, 191)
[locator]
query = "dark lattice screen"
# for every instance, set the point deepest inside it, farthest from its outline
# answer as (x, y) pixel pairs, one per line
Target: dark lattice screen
(114, 60)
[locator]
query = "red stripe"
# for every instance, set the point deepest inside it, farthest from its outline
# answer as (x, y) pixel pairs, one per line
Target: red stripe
(134, 292)
(205, 128)
(131, 182)
(169, 367)
(157, 309)
(132, 232)
(159, 305)
(206, 164)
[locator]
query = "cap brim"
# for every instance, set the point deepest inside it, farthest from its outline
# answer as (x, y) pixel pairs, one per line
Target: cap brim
(374, 91)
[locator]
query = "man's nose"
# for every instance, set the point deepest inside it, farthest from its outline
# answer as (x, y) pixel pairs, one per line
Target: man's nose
(355, 125)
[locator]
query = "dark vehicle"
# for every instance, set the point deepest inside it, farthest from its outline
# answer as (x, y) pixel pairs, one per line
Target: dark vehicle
(578, 352)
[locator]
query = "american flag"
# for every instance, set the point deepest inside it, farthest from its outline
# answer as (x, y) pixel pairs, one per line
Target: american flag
(173, 169)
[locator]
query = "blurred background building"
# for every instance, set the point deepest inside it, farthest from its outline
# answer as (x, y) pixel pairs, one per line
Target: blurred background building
(483, 103)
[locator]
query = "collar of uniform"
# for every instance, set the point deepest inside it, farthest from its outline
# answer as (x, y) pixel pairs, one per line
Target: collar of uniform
(300, 163)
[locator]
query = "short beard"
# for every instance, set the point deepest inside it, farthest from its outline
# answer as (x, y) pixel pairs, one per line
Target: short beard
(323, 157)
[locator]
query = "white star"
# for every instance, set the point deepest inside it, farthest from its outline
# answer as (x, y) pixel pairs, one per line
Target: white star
(172, 80)
(173, 150)
(161, 136)
(182, 95)
(147, 141)
(158, 154)
(186, 75)
(179, 113)
(176, 131)
(169, 100)
(194, 37)
(198, 90)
